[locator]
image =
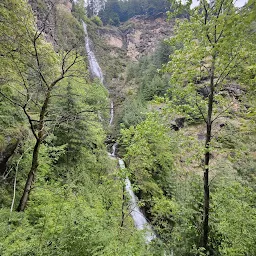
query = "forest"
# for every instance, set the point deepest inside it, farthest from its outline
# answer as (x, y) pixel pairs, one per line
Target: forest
(89, 135)
(116, 11)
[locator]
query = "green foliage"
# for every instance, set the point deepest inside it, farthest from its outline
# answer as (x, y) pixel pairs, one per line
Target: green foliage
(134, 111)
(76, 203)
(145, 74)
(61, 220)
(190, 66)
(149, 160)
(79, 10)
(233, 215)
(120, 11)
(96, 19)
(79, 128)
(69, 32)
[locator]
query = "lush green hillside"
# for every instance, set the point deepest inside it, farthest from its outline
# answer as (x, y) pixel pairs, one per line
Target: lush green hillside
(61, 194)
(186, 130)
(190, 142)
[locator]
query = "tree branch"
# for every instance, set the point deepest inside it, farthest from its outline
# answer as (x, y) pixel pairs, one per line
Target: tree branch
(200, 110)
(30, 122)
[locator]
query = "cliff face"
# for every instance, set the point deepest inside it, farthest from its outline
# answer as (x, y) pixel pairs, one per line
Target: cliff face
(139, 36)
(46, 11)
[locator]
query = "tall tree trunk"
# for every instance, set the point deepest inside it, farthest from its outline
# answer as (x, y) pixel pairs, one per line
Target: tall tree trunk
(205, 224)
(31, 177)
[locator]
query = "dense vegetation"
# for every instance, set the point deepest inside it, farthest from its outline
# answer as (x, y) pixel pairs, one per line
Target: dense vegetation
(207, 114)
(53, 141)
(116, 11)
(187, 134)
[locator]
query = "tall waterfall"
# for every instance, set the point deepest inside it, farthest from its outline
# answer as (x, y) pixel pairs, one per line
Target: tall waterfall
(139, 219)
(94, 66)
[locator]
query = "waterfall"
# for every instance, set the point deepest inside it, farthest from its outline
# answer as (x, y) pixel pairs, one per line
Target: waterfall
(94, 66)
(114, 150)
(111, 113)
(139, 219)
(95, 69)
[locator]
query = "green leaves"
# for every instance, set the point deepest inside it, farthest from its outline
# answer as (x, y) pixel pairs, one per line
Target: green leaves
(235, 215)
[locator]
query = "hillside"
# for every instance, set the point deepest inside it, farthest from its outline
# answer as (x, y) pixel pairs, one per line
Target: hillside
(124, 133)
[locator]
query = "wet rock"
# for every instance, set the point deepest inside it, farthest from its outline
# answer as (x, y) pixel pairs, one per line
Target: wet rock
(180, 122)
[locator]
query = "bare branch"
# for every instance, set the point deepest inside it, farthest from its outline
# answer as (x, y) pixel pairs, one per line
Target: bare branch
(200, 110)
(38, 63)
(30, 122)
(222, 76)
(223, 111)
(12, 101)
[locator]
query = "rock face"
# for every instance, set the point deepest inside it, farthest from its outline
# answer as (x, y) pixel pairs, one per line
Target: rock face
(46, 13)
(138, 36)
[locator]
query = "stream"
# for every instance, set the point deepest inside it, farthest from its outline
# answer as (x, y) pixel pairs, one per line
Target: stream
(139, 219)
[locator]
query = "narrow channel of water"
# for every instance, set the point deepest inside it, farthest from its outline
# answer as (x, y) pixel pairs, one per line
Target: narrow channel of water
(94, 66)
(139, 219)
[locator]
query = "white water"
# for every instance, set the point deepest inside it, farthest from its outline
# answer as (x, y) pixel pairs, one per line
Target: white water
(114, 150)
(95, 70)
(138, 217)
(111, 113)
(94, 66)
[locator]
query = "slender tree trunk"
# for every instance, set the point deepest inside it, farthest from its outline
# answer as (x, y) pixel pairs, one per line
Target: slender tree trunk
(205, 226)
(31, 177)
(205, 231)
(39, 139)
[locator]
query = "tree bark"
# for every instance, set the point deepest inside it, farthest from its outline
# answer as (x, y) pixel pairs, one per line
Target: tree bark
(205, 224)
(39, 139)
(31, 177)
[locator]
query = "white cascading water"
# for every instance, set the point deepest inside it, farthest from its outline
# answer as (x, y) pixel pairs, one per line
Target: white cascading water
(95, 69)
(114, 149)
(139, 219)
(111, 113)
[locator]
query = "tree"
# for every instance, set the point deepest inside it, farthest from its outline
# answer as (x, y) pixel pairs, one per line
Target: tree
(94, 6)
(215, 46)
(32, 73)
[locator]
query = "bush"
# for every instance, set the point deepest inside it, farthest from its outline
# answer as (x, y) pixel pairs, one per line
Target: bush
(97, 20)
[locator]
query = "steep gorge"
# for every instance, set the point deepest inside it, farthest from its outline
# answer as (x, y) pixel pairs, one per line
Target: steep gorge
(119, 98)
